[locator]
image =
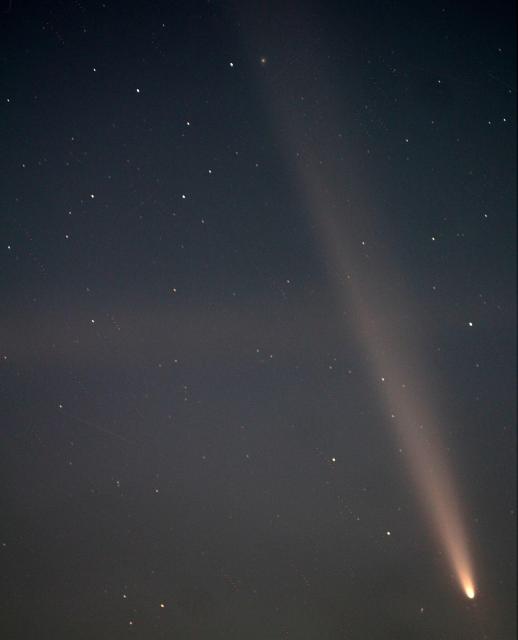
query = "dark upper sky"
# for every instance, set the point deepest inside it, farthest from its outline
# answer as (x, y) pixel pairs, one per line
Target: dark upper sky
(194, 441)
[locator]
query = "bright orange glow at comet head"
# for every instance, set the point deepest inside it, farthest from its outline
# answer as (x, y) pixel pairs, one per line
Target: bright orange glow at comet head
(469, 589)
(470, 592)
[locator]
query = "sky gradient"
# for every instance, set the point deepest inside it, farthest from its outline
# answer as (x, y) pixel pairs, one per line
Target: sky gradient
(257, 344)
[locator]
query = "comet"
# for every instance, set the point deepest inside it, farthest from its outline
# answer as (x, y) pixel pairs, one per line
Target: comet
(413, 414)
(395, 361)
(369, 288)
(415, 421)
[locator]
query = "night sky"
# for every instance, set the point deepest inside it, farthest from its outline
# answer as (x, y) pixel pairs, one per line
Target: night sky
(250, 253)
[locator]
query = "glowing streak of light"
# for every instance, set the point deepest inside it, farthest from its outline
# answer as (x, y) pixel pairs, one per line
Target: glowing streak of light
(413, 417)
(393, 362)
(389, 349)
(408, 402)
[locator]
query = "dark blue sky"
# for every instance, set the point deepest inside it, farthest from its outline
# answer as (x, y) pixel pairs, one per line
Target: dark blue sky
(190, 416)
